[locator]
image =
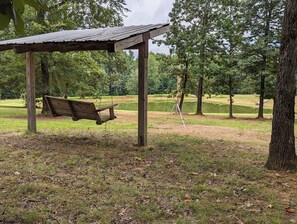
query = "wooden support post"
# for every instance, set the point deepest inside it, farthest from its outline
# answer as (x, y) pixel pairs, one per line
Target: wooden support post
(30, 89)
(142, 93)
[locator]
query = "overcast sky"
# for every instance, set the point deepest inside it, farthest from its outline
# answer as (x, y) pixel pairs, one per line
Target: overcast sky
(149, 12)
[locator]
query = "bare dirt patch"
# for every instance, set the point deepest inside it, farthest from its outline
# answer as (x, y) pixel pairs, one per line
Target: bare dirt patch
(173, 125)
(215, 133)
(167, 123)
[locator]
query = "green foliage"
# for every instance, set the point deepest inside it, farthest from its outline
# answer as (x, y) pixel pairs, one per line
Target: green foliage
(14, 10)
(86, 74)
(160, 77)
(72, 73)
(118, 67)
(131, 84)
(196, 37)
(261, 50)
(227, 75)
(87, 14)
(225, 42)
(12, 75)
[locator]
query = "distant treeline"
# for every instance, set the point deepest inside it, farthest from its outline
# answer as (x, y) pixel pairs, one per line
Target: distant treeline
(216, 47)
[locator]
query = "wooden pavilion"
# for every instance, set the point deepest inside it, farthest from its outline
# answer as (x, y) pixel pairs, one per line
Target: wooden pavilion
(113, 39)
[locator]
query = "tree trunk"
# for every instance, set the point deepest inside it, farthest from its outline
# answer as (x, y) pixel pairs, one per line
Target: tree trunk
(109, 70)
(282, 153)
(44, 68)
(45, 82)
(230, 98)
(262, 83)
(261, 98)
(66, 91)
(184, 87)
(110, 88)
(199, 96)
(205, 23)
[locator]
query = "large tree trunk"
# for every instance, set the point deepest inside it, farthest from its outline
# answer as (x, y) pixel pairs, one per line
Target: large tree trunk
(199, 96)
(282, 153)
(261, 98)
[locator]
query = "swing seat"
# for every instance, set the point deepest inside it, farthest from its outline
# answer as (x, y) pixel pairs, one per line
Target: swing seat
(79, 109)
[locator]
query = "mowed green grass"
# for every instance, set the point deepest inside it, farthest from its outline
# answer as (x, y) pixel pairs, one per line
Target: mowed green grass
(190, 107)
(78, 172)
(243, 104)
(13, 117)
(102, 177)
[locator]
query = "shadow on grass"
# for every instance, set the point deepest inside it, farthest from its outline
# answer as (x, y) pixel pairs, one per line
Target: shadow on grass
(15, 107)
(221, 117)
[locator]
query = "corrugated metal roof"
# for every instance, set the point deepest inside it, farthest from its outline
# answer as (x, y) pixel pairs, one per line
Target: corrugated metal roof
(112, 34)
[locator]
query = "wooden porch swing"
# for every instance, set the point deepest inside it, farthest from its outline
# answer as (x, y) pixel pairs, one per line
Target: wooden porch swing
(79, 109)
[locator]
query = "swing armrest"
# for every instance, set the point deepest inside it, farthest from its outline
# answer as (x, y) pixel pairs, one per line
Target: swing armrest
(106, 107)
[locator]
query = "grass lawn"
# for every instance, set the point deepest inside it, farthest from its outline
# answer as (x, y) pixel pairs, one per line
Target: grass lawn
(78, 172)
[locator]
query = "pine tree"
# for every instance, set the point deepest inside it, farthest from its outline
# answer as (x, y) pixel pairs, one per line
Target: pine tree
(192, 38)
(231, 30)
(263, 19)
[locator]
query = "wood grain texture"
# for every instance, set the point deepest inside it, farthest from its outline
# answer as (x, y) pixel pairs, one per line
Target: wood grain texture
(142, 93)
(30, 89)
(79, 109)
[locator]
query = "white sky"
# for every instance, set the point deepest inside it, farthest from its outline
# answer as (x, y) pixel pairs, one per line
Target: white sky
(149, 12)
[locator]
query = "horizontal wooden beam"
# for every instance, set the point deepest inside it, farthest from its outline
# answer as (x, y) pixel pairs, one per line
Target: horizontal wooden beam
(145, 38)
(135, 42)
(65, 47)
(6, 47)
(160, 31)
(127, 43)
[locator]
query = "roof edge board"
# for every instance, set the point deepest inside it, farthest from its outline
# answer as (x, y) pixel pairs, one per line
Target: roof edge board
(62, 47)
(128, 42)
(6, 47)
(159, 31)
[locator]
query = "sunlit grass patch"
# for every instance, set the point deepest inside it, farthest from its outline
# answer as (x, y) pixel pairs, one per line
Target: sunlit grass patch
(242, 124)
